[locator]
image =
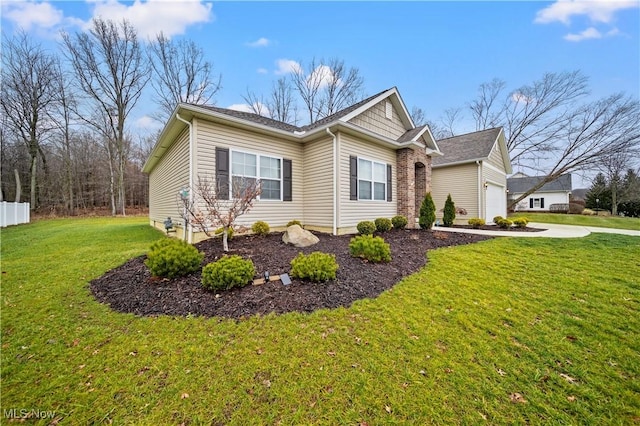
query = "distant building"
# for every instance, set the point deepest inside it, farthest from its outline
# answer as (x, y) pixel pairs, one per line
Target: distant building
(555, 192)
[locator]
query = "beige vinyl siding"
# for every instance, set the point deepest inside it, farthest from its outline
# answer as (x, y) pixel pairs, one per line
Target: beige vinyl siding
(276, 213)
(353, 211)
(170, 175)
(318, 184)
(495, 157)
(462, 183)
(491, 175)
(375, 119)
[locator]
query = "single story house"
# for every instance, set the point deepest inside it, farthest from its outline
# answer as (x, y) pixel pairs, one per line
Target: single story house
(554, 192)
(367, 161)
(473, 169)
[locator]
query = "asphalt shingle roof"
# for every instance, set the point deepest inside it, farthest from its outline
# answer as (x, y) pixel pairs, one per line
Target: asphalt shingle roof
(410, 134)
(523, 184)
(467, 147)
(259, 119)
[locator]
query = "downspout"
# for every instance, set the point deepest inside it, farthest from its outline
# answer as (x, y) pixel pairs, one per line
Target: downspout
(335, 181)
(481, 214)
(189, 228)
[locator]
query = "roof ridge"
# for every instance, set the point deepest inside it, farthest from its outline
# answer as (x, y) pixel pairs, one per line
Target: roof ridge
(470, 133)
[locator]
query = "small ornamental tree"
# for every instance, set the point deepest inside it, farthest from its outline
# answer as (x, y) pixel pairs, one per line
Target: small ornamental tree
(427, 212)
(212, 206)
(449, 212)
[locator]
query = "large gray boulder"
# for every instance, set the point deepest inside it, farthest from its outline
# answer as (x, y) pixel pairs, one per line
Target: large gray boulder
(299, 237)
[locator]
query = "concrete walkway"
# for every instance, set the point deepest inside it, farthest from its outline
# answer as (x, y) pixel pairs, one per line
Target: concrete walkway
(551, 231)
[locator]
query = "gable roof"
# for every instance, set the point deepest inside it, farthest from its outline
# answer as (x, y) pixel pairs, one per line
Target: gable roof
(523, 184)
(471, 147)
(288, 131)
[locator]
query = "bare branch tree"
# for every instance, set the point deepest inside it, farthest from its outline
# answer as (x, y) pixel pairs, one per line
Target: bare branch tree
(28, 95)
(327, 87)
(111, 71)
(483, 107)
(211, 207)
(181, 74)
(281, 104)
(450, 119)
(417, 115)
(593, 132)
(256, 103)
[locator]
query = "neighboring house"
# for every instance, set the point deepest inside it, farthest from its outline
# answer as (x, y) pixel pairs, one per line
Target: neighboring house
(364, 162)
(555, 192)
(473, 169)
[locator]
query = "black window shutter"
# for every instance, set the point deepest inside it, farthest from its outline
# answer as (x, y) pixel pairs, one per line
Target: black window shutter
(542, 203)
(389, 180)
(222, 173)
(287, 190)
(353, 177)
(530, 203)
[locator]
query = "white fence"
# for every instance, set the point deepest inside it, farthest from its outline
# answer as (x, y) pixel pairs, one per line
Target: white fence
(14, 213)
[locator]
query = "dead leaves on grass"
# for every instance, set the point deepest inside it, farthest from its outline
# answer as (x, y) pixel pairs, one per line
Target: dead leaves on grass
(516, 398)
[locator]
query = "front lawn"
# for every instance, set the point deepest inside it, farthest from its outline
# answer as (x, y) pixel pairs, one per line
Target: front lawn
(503, 331)
(582, 220)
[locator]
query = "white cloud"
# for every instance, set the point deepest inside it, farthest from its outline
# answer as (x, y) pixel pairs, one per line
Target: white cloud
(263, 71)
(258, 106)
(286, 66)
(146, 122)
(153, 16)
(518, 97)
(321, 74)
(261, 42)
(28, 14)
(589, 33)
(601, 11)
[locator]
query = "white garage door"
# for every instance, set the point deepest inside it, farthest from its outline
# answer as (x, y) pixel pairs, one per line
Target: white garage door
(496, 202)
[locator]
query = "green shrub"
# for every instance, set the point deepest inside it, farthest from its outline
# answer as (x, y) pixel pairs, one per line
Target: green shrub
(521, 222)
(497, 219)
(260, 228)
(316, 266)
(427, 212)
(229, 232)
(505, 223)
(374, 249)
(366, 227)
(399, 222)
(227, 272)
(383, 224)
(449, 212)
(294, 222)
(173, 258)
(476, 222)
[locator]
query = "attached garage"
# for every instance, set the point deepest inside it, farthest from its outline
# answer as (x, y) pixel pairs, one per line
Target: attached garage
(473, 169)
(496, 202)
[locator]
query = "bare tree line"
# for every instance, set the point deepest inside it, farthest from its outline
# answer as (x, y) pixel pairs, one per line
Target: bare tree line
(66, 119)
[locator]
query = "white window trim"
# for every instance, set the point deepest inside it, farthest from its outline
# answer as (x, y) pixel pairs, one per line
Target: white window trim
(258, 155)
(372, 199)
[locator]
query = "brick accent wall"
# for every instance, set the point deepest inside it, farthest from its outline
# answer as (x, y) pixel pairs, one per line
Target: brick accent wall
(414, 181)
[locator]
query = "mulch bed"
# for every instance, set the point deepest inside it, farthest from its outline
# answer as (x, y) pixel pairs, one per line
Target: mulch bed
(497, 228)
(131, 288)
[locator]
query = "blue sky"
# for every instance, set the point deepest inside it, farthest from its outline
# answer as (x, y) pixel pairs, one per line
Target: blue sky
(436, 53)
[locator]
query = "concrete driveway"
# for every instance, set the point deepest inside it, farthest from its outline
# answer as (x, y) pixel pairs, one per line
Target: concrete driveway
(550, 231)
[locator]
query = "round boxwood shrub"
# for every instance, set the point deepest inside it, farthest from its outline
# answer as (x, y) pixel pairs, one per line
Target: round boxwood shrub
(399, 222)
(227, 272)
(505, 223)
(366, 227)
(219, 232)
(171, 258)
(316, 266)
(476, 222)
(497, 219)
(294, 222)
(260, 228)
(371, 248)
(383, 224)
(520, 222)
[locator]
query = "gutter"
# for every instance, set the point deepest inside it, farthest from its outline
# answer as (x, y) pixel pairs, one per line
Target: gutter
(335, 181)
(189, 227)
